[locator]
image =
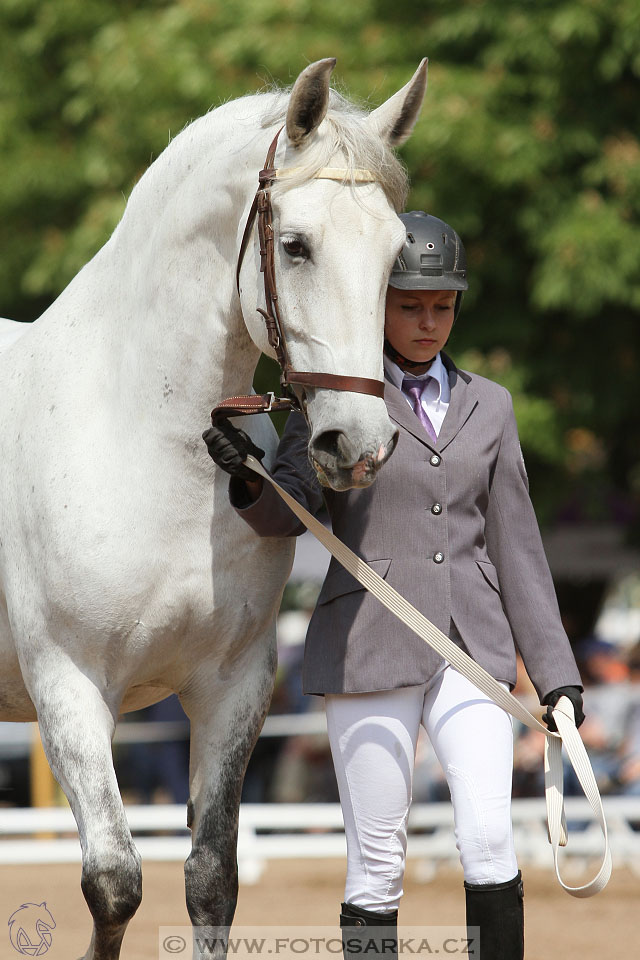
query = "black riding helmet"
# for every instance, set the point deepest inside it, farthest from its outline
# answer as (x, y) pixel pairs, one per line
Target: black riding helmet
(433, 258)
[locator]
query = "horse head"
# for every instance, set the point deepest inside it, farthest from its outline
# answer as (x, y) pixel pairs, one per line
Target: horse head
(336, 236)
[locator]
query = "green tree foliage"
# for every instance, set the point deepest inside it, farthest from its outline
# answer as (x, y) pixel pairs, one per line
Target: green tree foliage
(528, 145)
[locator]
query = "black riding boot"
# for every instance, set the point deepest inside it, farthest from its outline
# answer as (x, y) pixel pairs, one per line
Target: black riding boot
(498, 910)
(367, 933)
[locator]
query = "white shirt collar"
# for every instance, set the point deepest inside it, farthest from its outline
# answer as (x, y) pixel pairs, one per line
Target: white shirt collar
(437, 371)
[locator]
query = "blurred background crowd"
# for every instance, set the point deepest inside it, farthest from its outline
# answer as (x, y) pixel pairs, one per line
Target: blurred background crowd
(528, 144)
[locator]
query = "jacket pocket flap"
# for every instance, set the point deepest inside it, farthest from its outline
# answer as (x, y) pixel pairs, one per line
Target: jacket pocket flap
(339, 581)
(490, 573)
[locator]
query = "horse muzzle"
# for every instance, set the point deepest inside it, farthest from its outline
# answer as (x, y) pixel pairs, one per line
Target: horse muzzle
(332, 457)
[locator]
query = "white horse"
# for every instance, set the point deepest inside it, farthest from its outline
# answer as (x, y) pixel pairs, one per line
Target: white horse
(124, 574)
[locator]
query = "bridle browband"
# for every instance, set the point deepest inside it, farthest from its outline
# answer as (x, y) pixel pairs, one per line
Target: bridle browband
(289, 378)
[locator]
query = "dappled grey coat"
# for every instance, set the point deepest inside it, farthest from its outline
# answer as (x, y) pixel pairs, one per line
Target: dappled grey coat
(450, 525)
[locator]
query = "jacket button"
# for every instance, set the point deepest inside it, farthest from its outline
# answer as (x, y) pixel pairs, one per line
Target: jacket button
(438, 557)
(436, 508)
(434, 460)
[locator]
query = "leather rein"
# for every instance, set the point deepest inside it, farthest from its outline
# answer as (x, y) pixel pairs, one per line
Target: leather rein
(261, 210)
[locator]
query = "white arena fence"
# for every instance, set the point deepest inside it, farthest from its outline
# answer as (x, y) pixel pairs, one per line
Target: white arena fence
(308, 830)
(314, 830)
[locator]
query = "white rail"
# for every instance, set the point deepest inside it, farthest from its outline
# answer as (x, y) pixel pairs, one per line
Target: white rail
(277, 831)
(18, 737)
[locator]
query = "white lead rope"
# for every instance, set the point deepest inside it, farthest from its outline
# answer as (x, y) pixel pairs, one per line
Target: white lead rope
(562, 714)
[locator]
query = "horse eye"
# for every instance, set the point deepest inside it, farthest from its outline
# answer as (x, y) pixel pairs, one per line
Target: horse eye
(294, 248)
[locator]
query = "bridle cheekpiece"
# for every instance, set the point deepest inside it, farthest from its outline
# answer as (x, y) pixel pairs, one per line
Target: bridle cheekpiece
(261, 210)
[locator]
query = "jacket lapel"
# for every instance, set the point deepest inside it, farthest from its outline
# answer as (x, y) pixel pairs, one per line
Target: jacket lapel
(401, 412)
(462, 404)
(464, 400)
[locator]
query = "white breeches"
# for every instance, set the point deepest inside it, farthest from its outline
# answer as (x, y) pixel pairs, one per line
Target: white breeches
(373, 739)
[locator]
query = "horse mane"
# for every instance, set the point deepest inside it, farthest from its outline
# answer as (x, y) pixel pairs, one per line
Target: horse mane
(348, 134)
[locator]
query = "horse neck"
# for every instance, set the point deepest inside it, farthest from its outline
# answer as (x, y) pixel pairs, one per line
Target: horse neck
(183, 344)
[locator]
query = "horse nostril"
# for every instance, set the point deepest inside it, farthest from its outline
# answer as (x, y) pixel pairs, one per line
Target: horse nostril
(333, 443)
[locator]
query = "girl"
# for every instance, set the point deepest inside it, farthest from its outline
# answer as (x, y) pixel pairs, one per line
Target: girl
(450, 525)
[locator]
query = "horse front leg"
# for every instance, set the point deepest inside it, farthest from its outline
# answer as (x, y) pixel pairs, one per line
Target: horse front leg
(76, 727)
(225, 723)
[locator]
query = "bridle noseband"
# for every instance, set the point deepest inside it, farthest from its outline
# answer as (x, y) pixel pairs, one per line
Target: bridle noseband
(289, 378)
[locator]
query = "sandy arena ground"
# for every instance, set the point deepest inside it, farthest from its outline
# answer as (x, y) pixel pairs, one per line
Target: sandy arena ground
(301, 892)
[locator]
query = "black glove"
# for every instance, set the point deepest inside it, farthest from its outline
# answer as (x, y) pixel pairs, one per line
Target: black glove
(228, 447)
(573, 693)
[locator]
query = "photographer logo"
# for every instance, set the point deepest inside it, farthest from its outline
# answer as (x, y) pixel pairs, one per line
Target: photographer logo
(30, 929)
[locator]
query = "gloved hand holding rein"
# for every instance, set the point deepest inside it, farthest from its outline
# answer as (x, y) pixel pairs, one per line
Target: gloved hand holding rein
(228, 447)
(551, 699)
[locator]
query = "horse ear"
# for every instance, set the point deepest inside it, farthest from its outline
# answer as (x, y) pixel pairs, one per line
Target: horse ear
(396, 118)
(309, 100)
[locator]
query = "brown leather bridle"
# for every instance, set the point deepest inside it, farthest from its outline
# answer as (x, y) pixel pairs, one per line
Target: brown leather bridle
(289, 378)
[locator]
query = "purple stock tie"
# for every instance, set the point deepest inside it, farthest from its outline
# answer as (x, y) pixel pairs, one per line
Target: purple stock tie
(413, 389)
